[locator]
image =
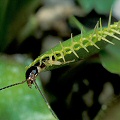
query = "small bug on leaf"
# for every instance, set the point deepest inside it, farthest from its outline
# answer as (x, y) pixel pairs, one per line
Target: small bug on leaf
(31, 75)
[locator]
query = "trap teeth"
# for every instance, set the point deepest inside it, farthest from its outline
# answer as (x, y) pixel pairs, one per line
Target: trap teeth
(81, 46)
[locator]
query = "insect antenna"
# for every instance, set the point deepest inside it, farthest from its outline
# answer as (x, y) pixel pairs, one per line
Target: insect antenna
(13, 85)
(36, 85)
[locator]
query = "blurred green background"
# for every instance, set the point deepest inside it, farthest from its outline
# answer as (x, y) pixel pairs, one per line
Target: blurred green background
(31, 27)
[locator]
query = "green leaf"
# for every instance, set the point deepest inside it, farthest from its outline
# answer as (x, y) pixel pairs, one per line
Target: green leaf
(100, 6)
(103, 6)
(79, 47)
(19, 102)
(74, 22)
(110, 58)
(13, 15)
(87, 5)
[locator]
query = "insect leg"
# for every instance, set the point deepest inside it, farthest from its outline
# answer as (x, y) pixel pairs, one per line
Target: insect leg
(45, 100)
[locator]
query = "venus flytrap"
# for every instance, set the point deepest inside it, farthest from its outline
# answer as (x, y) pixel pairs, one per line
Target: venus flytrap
(72, 50)
(78, 48)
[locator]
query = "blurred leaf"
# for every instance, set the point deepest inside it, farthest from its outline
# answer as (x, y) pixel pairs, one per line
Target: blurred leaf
(28, 29)
(103, 6)
(19, 102)
(13, 15)
(110, 58)
(87, 5)
(74, 22)
(100, 6)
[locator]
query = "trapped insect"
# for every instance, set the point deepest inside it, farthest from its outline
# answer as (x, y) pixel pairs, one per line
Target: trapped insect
(72, 50)
(78, 48)
(31, 75)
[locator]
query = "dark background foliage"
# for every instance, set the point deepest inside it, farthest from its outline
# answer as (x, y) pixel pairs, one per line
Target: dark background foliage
(31, 27)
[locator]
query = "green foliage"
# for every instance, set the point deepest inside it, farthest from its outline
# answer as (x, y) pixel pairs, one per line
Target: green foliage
(19, 102)
(100, 6)
(110, 58)
(13, 15)
(80, 47)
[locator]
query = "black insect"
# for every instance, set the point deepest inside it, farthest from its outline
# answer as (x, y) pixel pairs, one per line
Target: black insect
(31, 75)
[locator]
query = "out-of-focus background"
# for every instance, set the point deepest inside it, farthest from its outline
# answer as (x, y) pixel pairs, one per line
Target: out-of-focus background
(31, 27)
